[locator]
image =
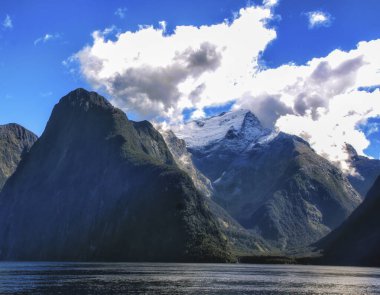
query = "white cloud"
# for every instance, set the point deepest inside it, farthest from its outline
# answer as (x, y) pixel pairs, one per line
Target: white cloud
(320, 101)
(7, 22)
(120, 12)
(47, 38)
(156, 74)
(319, 19)
(270, 3)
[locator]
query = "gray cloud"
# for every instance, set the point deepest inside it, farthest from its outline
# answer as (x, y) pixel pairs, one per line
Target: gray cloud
(203, 60)
(309, 102)
(268, 108)
(196, 94)
(148, 90)
(343, 76)
(325, 82)
(310, 94)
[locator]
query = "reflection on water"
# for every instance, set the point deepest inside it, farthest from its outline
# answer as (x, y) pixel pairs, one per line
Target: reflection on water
(153, 278)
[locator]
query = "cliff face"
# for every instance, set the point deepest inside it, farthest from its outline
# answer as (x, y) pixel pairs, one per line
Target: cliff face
(15, 142)
(184, 161)
(97, 186)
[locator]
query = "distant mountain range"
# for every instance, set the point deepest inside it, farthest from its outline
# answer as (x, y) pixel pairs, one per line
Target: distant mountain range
(15, 142)
(97, 186)
(273, 184)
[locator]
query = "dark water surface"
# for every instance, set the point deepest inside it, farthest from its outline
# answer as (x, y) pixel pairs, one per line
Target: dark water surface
(155, 278)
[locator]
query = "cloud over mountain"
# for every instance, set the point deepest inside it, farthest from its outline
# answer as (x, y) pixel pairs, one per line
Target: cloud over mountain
(158, 74)
(322, 100)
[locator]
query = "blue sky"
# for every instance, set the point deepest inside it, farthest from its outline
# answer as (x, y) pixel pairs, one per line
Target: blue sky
(37, 36)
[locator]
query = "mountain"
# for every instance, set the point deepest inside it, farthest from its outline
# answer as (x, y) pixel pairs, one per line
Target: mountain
(272, 183)
(15, 142)
(357, 240)
(242, 241)
(97, 186)
(366, 171)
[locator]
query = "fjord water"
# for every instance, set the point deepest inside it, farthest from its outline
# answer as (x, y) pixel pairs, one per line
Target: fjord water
(157, 278)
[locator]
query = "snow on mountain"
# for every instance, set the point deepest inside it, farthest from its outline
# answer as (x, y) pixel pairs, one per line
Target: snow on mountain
(240, 124)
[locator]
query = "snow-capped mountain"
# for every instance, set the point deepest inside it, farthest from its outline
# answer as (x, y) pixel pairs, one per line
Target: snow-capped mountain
(236, 129)
(272, 183)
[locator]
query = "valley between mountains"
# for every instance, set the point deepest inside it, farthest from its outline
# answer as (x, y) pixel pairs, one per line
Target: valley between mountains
(96, 186)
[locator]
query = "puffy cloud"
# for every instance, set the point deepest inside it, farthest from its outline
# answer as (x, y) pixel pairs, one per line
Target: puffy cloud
(319, 19)
(155, 73)
(46, 38)
(7, 22)
(322, 101)
(158, 75)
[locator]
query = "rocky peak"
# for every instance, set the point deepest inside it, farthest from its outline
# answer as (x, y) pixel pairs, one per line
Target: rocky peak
(353, 154)
(251, 120)
(18, 132)
(83, 99)
(240, 125)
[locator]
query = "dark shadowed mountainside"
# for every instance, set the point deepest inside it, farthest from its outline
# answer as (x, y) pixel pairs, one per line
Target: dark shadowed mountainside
(96, 186)
(15, 142)
(357, 241)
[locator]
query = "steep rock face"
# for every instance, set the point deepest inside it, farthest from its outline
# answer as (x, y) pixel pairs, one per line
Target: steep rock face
(272, 183)
(183, 159)
(357, 240)
(366, 171)
(15, 142)
(97, 186)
